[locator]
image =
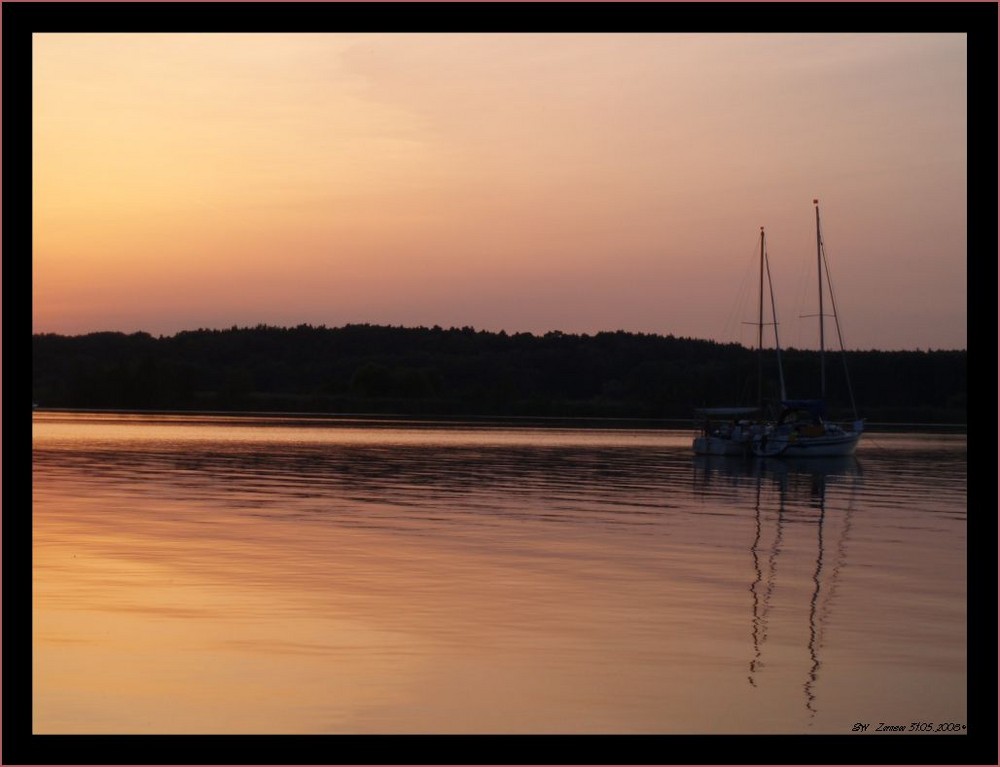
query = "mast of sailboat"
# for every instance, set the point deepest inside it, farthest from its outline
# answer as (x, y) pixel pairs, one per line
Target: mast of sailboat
(760, 327)
(825, 267)
(765, 265)
(819, 272)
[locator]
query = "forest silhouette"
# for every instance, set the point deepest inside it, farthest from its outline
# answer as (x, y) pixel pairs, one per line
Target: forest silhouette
(375, 369)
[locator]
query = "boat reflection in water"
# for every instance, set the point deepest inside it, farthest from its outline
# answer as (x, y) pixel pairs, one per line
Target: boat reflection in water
(791, 522)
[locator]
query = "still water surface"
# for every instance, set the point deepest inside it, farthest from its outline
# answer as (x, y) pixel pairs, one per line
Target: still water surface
(201, 574)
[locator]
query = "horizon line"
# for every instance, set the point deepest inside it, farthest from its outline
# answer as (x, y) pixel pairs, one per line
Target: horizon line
(471, 328)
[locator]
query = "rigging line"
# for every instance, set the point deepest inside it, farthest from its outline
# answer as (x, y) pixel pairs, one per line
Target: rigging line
(774, 317)
(803, 300)
(836, 322)
(765, 268)
(742, 301)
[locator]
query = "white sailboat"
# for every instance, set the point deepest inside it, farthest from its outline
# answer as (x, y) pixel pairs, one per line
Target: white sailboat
(730, 431)
(802, 430)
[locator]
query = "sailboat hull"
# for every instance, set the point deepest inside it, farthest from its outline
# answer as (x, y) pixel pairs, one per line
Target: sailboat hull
(792, 445)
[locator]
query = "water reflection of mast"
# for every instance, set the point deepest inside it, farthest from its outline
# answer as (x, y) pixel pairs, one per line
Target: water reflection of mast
(757, 628)
(819, 490)
(840, 561)
(762, 603)
(823, 586)
(819, 612)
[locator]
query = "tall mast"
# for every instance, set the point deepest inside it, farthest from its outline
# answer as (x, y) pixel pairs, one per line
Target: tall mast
(765, 267)
(819, 272)
(760, 327)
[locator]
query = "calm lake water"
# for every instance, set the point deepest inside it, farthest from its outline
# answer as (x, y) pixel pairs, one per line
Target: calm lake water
(200, 574)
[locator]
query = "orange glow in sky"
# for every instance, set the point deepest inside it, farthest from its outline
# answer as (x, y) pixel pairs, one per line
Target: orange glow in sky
(525, 182)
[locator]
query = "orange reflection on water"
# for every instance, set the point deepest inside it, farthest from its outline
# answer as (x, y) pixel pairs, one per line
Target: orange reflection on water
(353, 631)
(234, 576)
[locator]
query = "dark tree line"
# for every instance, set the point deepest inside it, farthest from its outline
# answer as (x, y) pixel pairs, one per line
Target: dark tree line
(461, 371)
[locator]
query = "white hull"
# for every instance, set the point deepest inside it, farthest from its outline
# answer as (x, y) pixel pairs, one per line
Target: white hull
(794, 446)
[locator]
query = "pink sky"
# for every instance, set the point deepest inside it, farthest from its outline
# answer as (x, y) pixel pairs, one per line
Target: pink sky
(525, 182)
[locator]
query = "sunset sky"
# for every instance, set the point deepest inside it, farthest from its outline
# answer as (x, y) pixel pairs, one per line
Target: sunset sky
(525, 182)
